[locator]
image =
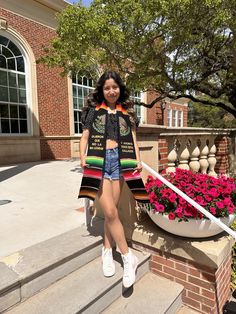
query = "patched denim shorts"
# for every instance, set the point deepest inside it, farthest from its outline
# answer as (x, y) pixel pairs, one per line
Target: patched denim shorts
(112, 169)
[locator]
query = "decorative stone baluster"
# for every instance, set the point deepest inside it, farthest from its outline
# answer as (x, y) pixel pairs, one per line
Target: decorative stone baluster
(194, 159)
(203, 159)
(172, 158)
(212, 161)
(184, 157)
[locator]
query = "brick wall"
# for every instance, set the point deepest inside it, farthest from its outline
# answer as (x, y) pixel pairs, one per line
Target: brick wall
(206, 289)
(54, 149)
(154, 114)
(163, 153)
(53, 106)
(222, 145)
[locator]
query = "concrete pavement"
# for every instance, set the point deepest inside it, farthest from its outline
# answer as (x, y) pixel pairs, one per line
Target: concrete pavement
(43, 203)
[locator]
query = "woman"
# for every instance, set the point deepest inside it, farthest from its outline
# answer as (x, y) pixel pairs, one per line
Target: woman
(109, 138)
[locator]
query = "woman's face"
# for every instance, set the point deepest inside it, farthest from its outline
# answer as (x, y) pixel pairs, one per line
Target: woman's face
(111, 91)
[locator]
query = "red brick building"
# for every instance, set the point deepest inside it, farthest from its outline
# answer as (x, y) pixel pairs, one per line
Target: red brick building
(40, 110)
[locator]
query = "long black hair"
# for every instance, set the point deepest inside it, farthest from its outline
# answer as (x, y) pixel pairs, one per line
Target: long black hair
(97, 97)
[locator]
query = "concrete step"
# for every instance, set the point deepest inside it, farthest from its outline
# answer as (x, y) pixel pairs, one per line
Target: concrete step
(83, 291)
(152, 294)
(186, 310)
(28, 271)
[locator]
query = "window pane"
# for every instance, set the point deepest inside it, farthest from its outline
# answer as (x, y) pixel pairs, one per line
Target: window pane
(22, 96)
(23, 126)
(3, 93)
(20, 64)
(7, 53)
(80, 92)
(14, 49)
(12, 79)
(4, 113)
(5, 125)
(80, 128)
(11, 64)
(13, 111)
(85, 81)
(74, 78)
(4, 41)
(76, 116)
(14, 126)
(86, 92)
(13, 94)
(75, 103)
(3, 78)
(74, 91)
(79, 80)
(21, 81)
(91, 82)
(3, 62)
(81, 103)
(22, 112)
(76, 128)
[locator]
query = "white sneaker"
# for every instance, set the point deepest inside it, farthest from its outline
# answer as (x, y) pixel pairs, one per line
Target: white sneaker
(130, 262)
(108, 265)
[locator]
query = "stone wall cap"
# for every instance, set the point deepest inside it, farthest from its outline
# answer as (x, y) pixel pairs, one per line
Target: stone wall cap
(209, 252)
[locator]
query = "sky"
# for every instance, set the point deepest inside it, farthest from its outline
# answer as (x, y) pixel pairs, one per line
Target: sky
(85, 2)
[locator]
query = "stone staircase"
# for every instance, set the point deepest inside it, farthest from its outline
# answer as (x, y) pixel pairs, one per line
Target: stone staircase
(63, 276)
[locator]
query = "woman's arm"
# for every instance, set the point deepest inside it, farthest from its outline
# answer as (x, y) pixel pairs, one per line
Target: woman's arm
(83, 147)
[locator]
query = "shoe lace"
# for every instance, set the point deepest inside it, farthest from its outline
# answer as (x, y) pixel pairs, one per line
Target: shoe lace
(108, 258)
(126, 267)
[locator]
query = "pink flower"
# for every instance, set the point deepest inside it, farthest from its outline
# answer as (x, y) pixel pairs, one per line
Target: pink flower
(227, 201)
(159, 207)
(179, 211)
(208, 198)
(231, 209)
(213, 210)
(213, 192)
(220, 205)
(153, 197)
(171, 216)
(182, 201)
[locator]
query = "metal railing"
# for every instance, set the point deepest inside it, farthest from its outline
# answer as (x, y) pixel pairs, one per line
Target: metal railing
(190, 201)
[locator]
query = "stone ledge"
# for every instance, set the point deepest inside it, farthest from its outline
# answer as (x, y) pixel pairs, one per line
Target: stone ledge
(209, 252)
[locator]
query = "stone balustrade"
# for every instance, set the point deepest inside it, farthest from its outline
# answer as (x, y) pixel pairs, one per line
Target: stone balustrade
(202, 150)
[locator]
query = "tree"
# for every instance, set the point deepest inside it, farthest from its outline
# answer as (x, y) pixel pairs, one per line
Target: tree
(209, 117)
(178, 48)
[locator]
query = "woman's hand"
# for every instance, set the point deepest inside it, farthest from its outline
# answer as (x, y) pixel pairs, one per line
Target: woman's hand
(83, 162)
(139, 167)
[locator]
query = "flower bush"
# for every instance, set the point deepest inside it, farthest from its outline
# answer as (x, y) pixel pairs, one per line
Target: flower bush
(217, 195)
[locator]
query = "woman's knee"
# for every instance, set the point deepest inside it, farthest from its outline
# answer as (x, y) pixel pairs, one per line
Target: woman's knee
(110, 214)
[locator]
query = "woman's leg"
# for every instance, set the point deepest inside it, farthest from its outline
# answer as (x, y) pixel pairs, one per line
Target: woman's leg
(108, 200)
(116, 190)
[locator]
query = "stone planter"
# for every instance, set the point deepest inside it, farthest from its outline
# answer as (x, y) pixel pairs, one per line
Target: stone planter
(192, 228)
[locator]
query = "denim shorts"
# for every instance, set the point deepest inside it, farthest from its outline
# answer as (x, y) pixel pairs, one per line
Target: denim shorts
(112, 169)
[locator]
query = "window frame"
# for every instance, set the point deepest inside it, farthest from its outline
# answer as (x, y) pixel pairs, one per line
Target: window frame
(169, 117)
(26, 90)
(77, 123)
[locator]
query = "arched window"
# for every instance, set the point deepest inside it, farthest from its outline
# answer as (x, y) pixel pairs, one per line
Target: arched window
(82, 86)
(13, 103)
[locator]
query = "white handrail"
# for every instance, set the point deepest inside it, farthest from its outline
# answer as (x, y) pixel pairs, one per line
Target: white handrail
(189, 200)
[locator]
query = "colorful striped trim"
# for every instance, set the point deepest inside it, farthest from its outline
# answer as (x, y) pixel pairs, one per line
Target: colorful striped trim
(118, 108)
(95, 161)
(128, 163)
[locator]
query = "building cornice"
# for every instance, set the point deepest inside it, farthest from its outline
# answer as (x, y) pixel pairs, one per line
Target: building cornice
(39, 11)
